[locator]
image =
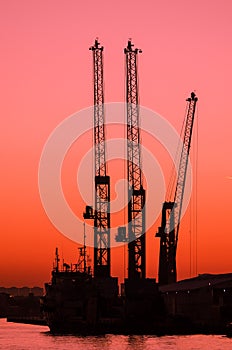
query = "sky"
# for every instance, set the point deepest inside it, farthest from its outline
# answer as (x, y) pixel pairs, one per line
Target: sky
(46, 76)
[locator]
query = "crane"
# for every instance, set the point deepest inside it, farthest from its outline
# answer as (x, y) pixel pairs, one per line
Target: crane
(101, 212)
(136, 192)
(171, 211)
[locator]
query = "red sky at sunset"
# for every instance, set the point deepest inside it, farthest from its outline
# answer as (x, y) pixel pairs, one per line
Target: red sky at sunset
(46, 75)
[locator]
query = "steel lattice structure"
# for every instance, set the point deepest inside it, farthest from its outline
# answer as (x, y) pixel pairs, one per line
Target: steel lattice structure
(101, 214)
(171, 211)
(136, 193)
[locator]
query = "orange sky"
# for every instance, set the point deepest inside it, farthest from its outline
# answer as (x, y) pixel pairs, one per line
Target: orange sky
(46, 75)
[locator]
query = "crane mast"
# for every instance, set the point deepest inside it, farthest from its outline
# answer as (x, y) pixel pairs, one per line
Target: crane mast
(136, 193)
(101, 213)
(171, 211)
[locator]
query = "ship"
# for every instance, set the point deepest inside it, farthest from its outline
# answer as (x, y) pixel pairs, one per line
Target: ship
(76, 302)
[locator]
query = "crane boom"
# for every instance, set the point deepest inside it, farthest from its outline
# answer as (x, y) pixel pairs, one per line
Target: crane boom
(171, 211)
(101, 214)
(136, 193)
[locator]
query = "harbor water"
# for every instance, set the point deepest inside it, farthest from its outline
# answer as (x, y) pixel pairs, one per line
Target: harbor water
(15, 336)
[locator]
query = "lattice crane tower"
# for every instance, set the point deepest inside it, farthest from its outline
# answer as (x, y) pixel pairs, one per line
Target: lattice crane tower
(171, 211)
(101, 214)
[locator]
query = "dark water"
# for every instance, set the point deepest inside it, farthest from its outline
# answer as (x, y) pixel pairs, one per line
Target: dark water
(15, 336)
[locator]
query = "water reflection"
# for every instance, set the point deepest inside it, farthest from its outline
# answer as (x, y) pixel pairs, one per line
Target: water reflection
(15, 336)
